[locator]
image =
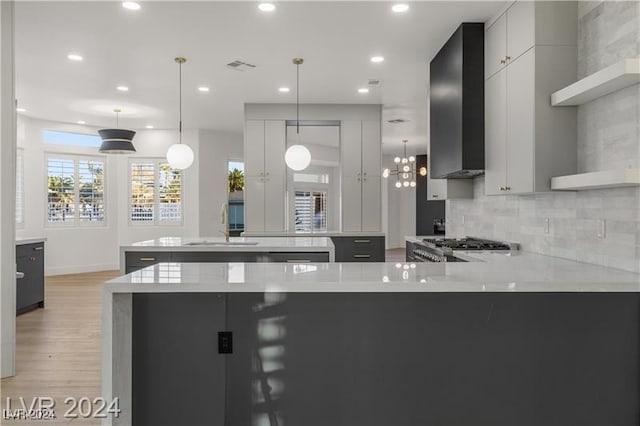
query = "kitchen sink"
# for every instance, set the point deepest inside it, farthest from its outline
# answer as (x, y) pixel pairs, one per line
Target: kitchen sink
(221, 243)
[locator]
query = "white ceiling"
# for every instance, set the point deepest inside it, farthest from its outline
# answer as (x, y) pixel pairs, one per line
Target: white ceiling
(136, 49)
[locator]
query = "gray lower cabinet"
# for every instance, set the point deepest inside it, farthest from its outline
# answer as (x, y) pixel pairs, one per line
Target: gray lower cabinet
(30, 288)
(319, 359)
(138, 260)
(359, 249)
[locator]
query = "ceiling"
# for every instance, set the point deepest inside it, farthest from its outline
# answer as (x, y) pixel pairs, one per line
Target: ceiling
(137, 49)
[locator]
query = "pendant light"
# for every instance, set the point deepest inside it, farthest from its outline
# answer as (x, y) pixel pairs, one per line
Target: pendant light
(297, 156)
(179, 155)
(116, 141)
(405, 171)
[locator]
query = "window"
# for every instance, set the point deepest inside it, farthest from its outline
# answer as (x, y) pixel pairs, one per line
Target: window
(156, 193)
(67, 138)
(311, 211)
(19, 188)
(236, 196)
(75, 191)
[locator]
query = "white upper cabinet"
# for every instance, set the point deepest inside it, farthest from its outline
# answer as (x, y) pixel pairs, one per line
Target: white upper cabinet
(495, 49)
(520, 29)
(264, 175)
(526, 140)
(361, 163)
(495, 152)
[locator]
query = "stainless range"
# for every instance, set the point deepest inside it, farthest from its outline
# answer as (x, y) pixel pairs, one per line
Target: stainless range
(437, 249)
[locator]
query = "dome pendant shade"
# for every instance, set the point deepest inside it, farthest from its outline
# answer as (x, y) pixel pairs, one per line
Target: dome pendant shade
(180, 156)
(116, 141)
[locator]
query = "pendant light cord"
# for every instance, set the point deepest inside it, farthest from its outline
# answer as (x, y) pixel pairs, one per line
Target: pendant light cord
(180, 100)
(298, 100)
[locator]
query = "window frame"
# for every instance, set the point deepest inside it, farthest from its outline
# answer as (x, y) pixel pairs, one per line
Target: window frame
(157, 162)
(76, 222)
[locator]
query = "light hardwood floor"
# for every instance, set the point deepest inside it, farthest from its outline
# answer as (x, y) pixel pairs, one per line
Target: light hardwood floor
(58, 348)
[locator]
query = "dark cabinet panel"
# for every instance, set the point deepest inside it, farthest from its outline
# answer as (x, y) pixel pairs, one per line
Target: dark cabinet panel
(296, 257)
(135, 260)
(138, 260)
(359, 249)
(30, 288)
(175, 359)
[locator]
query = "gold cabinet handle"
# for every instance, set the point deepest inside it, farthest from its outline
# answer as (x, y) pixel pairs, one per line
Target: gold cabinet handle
(147, 259)
(507, 188)
(362, 256)
(435, 195)
(361, 241)
(501, 188)
(507, 58)
(502, 61)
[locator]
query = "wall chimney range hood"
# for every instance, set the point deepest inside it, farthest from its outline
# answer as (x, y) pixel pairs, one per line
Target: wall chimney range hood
(456, 96)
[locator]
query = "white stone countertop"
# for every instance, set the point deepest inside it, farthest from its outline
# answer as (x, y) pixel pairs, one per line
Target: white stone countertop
(512, 271)
(272, 244)
(315, 234)
(30, 240)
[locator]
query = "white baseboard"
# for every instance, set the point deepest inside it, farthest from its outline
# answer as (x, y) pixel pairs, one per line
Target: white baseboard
(79, 269)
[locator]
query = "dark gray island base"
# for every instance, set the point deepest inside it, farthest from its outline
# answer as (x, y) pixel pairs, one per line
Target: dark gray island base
(387, 359)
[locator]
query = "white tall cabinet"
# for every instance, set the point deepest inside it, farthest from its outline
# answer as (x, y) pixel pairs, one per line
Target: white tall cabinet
(361, 175)
(265, 178)
(530, 53)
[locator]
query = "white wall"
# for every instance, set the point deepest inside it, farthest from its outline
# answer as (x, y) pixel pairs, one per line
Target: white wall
(216, 149)
(96, 248)
(399, 206)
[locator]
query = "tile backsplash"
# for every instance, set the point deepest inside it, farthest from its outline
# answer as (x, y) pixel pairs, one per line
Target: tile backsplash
(597, 226)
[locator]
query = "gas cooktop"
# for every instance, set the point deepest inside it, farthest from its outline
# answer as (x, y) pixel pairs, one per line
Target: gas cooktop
(469, 243)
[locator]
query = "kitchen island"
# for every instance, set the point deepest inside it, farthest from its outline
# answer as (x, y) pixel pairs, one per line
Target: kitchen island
(216, 249)
(510, 339)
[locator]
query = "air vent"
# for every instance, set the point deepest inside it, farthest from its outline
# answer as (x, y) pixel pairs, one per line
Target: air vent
(397, 121)
(374, 82)
(240, 65)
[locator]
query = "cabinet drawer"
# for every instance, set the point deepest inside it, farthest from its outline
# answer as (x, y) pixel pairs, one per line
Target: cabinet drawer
(359, 249)
(140, 259)
(296, 257)
(30, 249)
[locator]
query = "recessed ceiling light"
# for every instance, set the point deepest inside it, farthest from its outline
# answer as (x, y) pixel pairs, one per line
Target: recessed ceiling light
(203, 89)
(267, 7)
(123, 88)
(21, 110)
(377, 59)
(74, 57)
(363, 90)
(284, 90)
(149, 126)
(400, 7)
(131, 5)
(81, 122)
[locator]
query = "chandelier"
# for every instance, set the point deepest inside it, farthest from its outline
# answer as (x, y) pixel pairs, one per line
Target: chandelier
(405, 170)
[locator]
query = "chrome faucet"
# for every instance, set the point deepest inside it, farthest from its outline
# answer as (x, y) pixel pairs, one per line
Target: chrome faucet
(224, 213)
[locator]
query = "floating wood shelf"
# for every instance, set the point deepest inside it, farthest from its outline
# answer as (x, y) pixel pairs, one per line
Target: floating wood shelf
(597, 180)
(608, 80)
